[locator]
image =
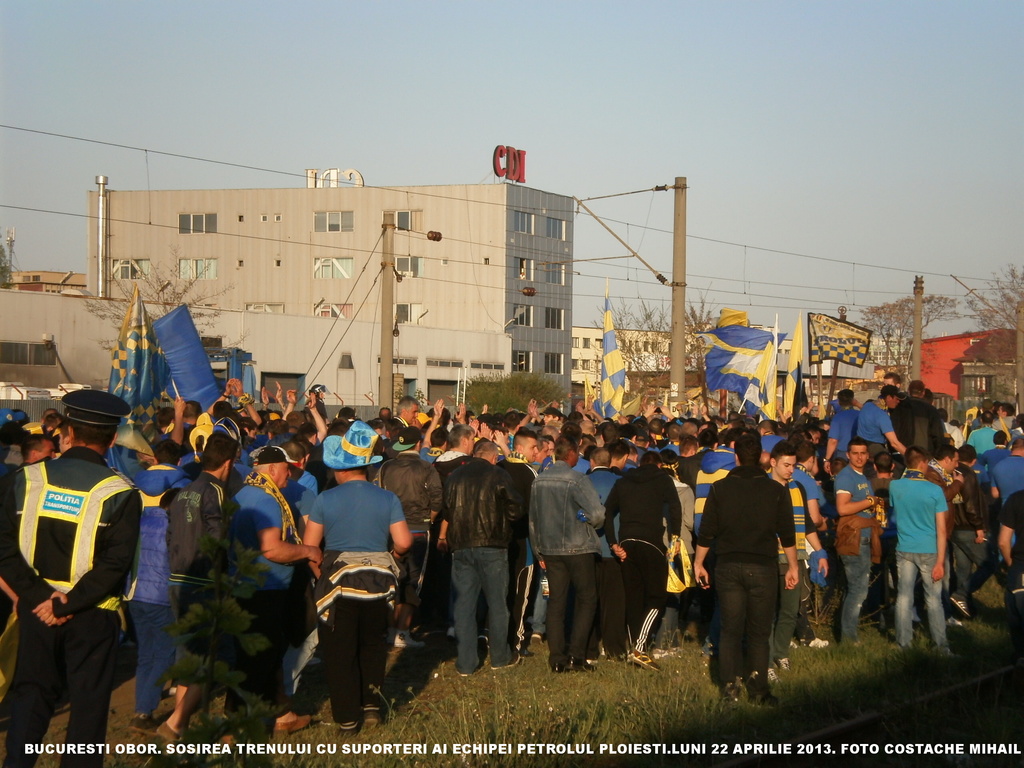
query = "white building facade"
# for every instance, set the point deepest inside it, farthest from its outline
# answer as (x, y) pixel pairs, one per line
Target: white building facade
(493, 295)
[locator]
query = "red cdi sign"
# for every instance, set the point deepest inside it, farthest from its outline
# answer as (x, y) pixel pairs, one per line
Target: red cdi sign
(510, 163)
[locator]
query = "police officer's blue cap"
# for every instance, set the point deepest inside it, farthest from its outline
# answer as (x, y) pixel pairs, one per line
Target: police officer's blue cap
(95, 407)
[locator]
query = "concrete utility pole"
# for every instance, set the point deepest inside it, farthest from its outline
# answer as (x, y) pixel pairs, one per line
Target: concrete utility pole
(1020, 356)
(915, 352)
(677, 350)
(387, 314)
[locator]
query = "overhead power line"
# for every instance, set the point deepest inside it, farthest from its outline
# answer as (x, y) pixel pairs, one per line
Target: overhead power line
(643, 227)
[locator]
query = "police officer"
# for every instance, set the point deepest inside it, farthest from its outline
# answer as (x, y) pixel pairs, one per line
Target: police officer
(68, 533)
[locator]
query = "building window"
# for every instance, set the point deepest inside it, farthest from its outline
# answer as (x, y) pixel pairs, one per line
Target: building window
(520, 360)
(444, 363)
(334, 268)
(553, 318)
(277, 218)
(488, 366)
(554, 274)
(575, 342)
(404, 220)
(332, 310)
(522, 314)
(274, 309)
(404, 361)
(346, 361)
(552, 362)
(241, 218)
(197, 223)
(525, 269)
(408, 313)
(410, 266)
(977, 385)
(586, 342)
(263, 217)
(197, 269)
(522, 222)
(332, 221)
(130, 269)
(27, 353)
(555, 228)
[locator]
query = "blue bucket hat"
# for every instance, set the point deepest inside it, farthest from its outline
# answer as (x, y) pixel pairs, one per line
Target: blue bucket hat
(352, 450)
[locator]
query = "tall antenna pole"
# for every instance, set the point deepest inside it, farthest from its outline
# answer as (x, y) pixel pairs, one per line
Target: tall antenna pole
(387, 314)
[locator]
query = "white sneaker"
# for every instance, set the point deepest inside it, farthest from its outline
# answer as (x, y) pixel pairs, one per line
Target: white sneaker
(954, 622)
(405, 640)
(818, 643)
(773, 676)
(450, 634)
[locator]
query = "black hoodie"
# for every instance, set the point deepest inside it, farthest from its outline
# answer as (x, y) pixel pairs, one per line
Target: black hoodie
(643, 498)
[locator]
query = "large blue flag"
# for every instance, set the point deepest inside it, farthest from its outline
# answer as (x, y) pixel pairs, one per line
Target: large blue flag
(613, 370)
(191, 373)
(734, 353)
(138, 370)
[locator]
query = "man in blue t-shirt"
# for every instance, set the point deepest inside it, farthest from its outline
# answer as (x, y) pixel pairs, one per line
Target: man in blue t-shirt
(1011, 545)
(920, 549)
(843, 426)
(854, 498)
(875, 425)
(1008, 474)
(265, 523)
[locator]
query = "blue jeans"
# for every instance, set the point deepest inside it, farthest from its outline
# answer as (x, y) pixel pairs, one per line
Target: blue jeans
(539, 617)
(473, 570)
(155, 652)
(966, 552)
(858, 571)
(909, 565)
(1015, 607)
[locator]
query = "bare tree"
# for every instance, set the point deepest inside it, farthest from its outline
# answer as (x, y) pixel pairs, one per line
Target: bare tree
(995, 307)
(998, 307)
(162, 289)
(892, 326)
(643, 332)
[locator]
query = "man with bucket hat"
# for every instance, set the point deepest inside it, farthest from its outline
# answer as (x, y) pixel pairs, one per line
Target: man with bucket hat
(358, 523)
(68, 535)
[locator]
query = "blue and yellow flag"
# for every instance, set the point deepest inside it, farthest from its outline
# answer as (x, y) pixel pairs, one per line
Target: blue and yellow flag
(138, 371)
(794, 370)
(830, 338)
(734, 354)
(613, 370)
(761, 391)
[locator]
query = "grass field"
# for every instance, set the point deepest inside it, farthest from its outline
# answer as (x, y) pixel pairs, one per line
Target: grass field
(428, 703)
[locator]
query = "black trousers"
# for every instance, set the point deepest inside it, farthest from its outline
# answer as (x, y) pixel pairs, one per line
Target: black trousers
(263, 675)
(355, 653)
(78, 657)
(747, 596)
(645, 573)
(610, 628)
(519, 583)
(563, 571)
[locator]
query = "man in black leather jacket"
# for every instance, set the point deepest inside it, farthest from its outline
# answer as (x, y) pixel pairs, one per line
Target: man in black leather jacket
(481, 503)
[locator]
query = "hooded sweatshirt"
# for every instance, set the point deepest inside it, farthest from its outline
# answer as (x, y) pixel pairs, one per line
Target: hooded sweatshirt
(644, 499)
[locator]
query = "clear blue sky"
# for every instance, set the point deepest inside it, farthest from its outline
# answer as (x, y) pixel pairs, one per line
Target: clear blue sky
(871, 133)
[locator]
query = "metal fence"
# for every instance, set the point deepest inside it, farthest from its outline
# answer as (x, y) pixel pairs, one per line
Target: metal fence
(34, 408)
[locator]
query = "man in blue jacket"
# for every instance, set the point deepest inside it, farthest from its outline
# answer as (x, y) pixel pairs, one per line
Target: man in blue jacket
(565, 512)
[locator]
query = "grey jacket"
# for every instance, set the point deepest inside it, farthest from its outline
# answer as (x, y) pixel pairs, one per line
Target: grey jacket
(558, 493)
